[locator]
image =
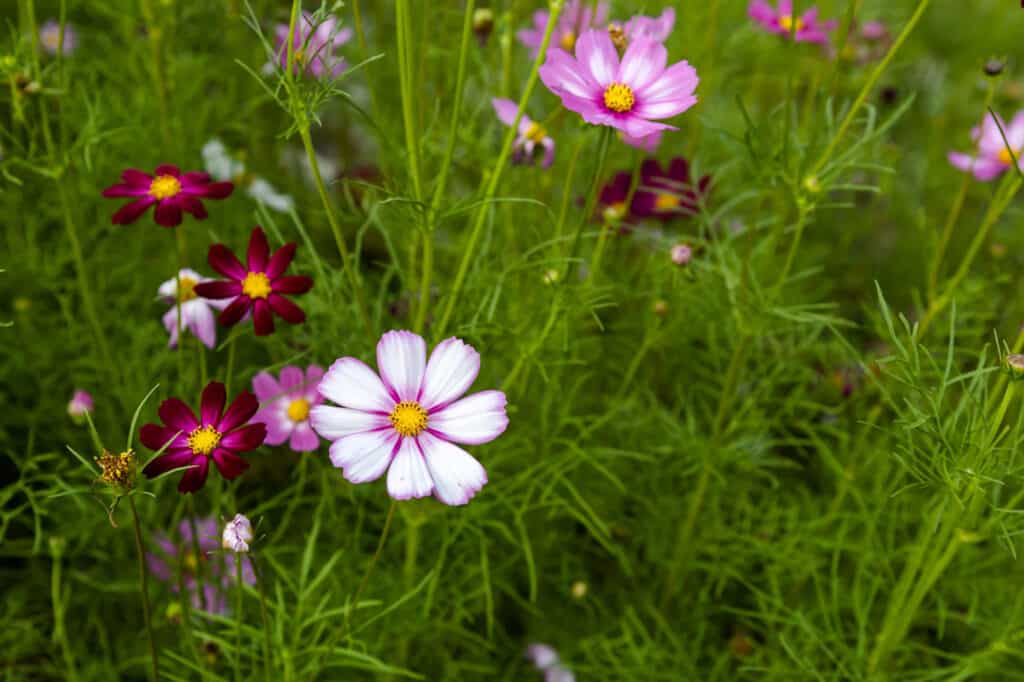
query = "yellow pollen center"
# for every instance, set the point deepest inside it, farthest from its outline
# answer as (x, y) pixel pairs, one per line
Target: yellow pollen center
(164, 187)
(536, 133)
(408, 418)
(666, 202)
(49, 39)
(618, 97)
(203, 440)
(786, 22)
(298, 410)
(187, 289)
(614, 212)
(299, 55)
(189, 563)
(1005, 158)
(256, 285)
(568, 41)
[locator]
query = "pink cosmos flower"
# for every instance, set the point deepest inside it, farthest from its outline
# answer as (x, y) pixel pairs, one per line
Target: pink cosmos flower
(81, 402)
(171, 190)
(623, 94)
(237, 534)
(681, 254)
(50, 40)
(545, 659)
(197, 314)
(285, 406)
(407, 420)
(649, 143)
(531, 134)
(576, 18)
(781, 21)
(993, 157)
(313, 46)
(657, 29)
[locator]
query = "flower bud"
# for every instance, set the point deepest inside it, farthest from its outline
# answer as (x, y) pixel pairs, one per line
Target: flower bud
(1015, 362)
(81, 402)
(578, 589)
(618, 36)
(237, 534)
(551, 276)
(994, 67)
(483, 24)
(681, 254)
(660, 308)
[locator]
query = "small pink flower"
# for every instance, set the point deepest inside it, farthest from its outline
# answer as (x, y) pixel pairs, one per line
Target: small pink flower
(407, 420)
(781, 22)
(576, 18)
(81, 402)
(681, 254)
(652, 28)
(197, 314)
(285, 404)
(624, 94)
(50, 38)
(531, 134)
(237, 534)
(170, 190)
(546, 660)
(313, 46)
(993, 157)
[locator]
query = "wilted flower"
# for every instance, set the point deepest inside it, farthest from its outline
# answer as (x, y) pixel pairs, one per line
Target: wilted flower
(285, 406)
(81, 402)
(576, 18)
(681, 254)
(668, 194)
(117, 470)
(50, 38)
(171, 191)
(805, 29)
(196, 312)
(993, 153)
(260, 286)
(217, 434)
(237, 534)
(532, 135)
(313, 46)
(624, 94)
(406, 420)
(222, 166)
(546, 660)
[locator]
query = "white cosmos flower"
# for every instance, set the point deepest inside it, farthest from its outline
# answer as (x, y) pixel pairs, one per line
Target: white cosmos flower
(407, 420)
(197, 314)
(223, 167)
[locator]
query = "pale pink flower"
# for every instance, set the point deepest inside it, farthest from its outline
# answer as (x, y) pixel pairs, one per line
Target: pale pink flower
(50, 38)
(648, 143)
(681, 254)
(781, 21)
(313, 46)
(531, 134)
(285, 405)
(237, 534)
(993, 157)
(545, 659)
(81, 402)
(653, 28)
(197, 313)
(577, 17)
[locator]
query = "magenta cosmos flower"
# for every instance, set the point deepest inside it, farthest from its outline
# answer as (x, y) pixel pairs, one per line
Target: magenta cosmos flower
(259, 286)
(993, 157)
(171, 191)
(217, 434)
(218, 570)
(576, 18)
(81, 402)
(653, 28)
(781, 21)
(407, 420)
(668, 193)
(623, 94)
(532, 135)
(285, 406)
(313, 46)
(197, 314)
(50, 39)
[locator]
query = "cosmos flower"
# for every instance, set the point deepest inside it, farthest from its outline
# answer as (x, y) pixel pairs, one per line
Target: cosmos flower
(649, 143)
(208, 575)
(237, 534)
(171, 191)
(781, 21)
(624, 94)
(50, 40)
(681, 254)
(81, 402)
(657, 29)
(993, 157)
(866, 42)
(546, 660)
(313, 46)
(532, 135)
(260, 286)
(222, 166)
(217, 434)
(407, 420)
(196, 312)
(285, 405)
(577, 17)
(668, 194)
(613, 197)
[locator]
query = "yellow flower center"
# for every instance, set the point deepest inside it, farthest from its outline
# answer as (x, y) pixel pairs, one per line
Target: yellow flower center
(187, 289)
(256, 285)
(1005, 158)
(189, 563)
(786, 21)
(298, 410)
(408, 418)
(49, 38)
(164, 187)
(614, 212)
(299, 56)
(666, 202)
(618, 97)
(536, 133)
(568, 41)
(203, 440)
(117, 469)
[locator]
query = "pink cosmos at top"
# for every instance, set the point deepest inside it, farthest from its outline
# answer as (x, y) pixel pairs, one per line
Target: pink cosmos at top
(993, 157)
(531, 134)
(653, 28)
(805, 29)
(407, 420)
(624, 94)
(313, 46)
(576, 18)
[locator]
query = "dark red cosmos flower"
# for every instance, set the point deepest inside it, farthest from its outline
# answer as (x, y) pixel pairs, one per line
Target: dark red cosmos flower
(171, 191)
(217, 435)
(668, 194)
(612, 200)
(258, 287)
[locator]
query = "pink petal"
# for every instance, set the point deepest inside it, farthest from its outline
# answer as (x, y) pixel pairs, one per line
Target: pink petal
(596, 53)
(265, 386)
(642, 64)
(563, 74)
(401, 357)
(506, 110)
(479, 418)
(202, 322)
(350, 383)
(452, 369)
(456, 474)
(291, 379)
(279, 426)
(304, 439)
(314, 375)
(364, 457)
(670, 94)
(333, 423)
(408, 477)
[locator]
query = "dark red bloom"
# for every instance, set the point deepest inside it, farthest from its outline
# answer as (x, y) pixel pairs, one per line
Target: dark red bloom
(259, 287)
(217, 435)
(666, 195)
(612, 200)
(171, 191)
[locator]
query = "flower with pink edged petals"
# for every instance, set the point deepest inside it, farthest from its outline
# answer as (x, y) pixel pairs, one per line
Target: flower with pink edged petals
(237, 534)
(532, 135)
(545, 659)
(170, 190)
(285, 404)
(993, 157)
(407, 420)
(196, 312)
(81, 402)
(624, 94)
(576, 18)
(259, 286)
(653, 28)
(217, 434)
(313, 46)
(51, 40)
(781, 22)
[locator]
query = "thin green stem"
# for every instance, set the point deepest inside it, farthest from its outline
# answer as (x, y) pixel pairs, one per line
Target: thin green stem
(240, 592)
(947, 233)
(159, 76)
(405, 76)
(357, 19)
(267, 648)
(230, 366)
(373, 562)
(794, 246)
(595, 190)
(59, 609)
(144, 590)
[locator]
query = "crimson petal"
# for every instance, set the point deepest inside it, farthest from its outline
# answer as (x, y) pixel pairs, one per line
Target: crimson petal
(172, 459)
(167, 169)
(194, 179)
(259, 250)
(246, 438)
(155, 436)
(121, 191)
(263, 319)
(168, 213)
(223, 261)
(235, 311)
(130, 212)
(214, 190)
(280, 261)
(239, 412)
(219, 289)
(212, 403)
(177, 415)
(193, 206)
(230, 465)
(137, 178)
(195, 478)
(294, 284)
(286, 309)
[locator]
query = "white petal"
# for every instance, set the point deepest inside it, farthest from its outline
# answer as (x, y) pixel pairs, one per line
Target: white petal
(350, 383)
(335, 422)
(457, 475)
(408, 476)
(479, 418)
(364, 456)
(401, 356)
(202, 322)
(452, 369)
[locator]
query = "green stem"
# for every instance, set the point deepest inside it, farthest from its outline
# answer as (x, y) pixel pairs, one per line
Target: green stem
(267, 648)
(159, 77)
(240, 590)
(373, 562)
(607, 226)
(405, 77)
(59, 630)
(144, 590)
(230, 368)
(947, 233)
(365, 52)
(794, 246)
